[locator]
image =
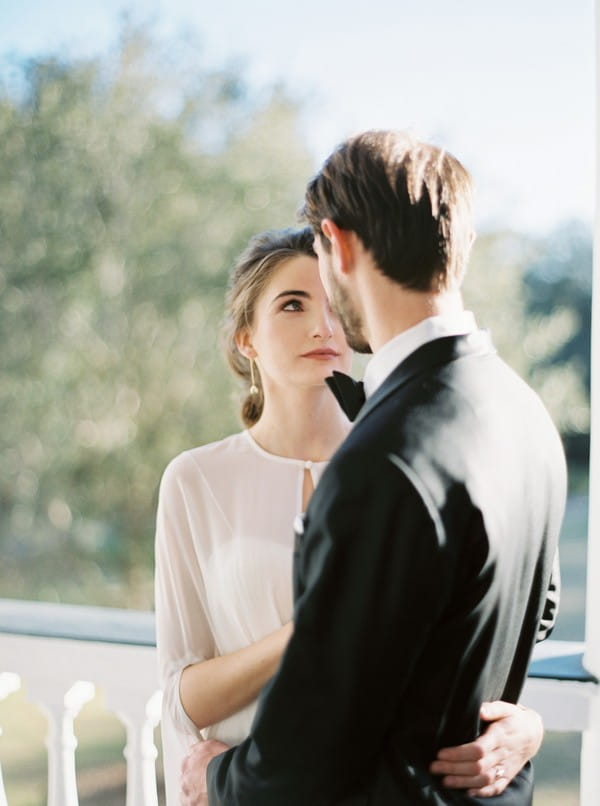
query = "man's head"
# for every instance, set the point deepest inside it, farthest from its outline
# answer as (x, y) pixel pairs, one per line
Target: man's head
(409, 203)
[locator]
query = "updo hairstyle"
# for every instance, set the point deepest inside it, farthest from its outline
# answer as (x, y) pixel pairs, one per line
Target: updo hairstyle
(250, 274)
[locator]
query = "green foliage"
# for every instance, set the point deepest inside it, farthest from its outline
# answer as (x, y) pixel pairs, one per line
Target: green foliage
(129, 185)
(562, 274)
(534, 338)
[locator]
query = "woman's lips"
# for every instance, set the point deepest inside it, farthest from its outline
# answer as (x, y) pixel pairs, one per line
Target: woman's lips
(321, 355)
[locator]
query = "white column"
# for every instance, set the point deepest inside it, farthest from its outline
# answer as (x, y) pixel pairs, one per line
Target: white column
(592, 629)
(590, 748)
(589, 782)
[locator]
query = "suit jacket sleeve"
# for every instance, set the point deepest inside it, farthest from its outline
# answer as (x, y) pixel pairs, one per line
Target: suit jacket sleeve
(374, 571)
(548, 620)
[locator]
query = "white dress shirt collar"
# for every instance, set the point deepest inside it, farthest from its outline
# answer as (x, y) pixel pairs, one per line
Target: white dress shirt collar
(387, 358)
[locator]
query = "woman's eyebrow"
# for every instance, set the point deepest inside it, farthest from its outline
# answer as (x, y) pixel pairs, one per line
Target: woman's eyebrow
(292, 293)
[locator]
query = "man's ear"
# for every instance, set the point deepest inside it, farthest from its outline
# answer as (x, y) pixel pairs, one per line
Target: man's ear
(243, 341)
(341, 244)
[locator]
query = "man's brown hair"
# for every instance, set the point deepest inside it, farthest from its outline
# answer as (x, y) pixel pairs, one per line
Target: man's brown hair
(410, 204)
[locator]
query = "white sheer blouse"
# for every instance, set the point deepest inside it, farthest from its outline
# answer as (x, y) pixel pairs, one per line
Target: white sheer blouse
(224, 543)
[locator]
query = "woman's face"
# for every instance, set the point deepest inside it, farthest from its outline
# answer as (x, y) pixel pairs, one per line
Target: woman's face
(295, 337)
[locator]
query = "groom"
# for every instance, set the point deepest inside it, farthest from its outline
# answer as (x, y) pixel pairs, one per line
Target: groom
(423, 562)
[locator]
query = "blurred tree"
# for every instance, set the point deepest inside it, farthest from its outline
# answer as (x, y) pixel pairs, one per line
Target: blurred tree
(535, 296)
(561, 274)
(129, 185)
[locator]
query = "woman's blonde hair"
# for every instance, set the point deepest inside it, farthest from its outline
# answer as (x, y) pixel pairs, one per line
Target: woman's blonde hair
(250, 274)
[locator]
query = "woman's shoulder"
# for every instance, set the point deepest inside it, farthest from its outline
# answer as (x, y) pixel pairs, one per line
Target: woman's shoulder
(209, 458)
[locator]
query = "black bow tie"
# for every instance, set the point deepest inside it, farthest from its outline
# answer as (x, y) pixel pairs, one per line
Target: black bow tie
(350, 394)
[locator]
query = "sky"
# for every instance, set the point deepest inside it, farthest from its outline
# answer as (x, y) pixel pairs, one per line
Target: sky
(507, 86)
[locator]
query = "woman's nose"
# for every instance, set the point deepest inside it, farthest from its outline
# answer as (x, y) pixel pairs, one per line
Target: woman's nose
(324, 325)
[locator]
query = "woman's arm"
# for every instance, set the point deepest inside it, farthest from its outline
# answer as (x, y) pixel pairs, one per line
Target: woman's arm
(486, 766)
(199, 687)
(216, 688)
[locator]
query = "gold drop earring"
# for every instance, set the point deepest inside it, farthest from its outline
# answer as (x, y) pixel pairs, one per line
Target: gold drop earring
(253, 386)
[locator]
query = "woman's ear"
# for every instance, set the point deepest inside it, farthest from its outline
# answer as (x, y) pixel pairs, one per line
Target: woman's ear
(243, 341)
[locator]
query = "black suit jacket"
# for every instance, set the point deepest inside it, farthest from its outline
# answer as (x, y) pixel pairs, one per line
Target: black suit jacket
(420, 579)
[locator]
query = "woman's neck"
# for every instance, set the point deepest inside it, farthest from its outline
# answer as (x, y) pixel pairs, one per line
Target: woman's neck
(303, 424)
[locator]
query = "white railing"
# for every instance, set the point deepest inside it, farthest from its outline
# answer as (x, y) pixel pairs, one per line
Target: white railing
(568, 698)
(60, 652)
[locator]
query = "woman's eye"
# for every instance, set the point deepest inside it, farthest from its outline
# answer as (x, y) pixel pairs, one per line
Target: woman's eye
(292, 305)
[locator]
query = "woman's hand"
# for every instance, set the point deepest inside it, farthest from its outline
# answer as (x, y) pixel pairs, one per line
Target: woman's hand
(486, 766)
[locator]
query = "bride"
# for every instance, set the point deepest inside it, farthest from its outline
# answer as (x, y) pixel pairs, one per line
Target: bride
(224, 536)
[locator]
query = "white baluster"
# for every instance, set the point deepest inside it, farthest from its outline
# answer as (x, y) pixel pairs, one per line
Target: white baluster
(140, 716)
(9, 683)
(3, 801)
(61, 707)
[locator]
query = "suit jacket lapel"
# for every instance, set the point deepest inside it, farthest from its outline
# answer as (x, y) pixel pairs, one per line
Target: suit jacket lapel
(433, 353)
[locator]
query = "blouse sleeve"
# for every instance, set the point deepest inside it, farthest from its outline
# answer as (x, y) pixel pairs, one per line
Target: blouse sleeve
(183, 634)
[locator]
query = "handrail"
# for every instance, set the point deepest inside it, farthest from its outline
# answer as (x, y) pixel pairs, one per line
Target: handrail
(53, 647)
(77, 622)
(560, 660)
(60, 653)
(557, 660)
